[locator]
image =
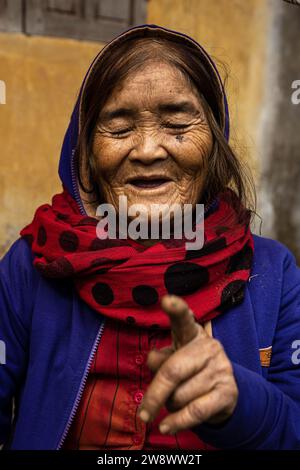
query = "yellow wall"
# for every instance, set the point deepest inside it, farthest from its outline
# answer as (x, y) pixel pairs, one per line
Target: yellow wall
(43, 76)
(234, 32)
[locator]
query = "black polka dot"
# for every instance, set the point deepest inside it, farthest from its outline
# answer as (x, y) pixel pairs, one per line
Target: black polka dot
(208, 248)
(232, 294)
(185, 278)
(68, 241)
(29, 239)
(42, 236)
(130, 320)
(60, 268)
(154, 326)
(241, 260)
(102, 293)
(144, 295)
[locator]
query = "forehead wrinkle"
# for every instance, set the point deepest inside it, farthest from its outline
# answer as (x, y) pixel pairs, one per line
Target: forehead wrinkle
(167, 107)
(164, 100)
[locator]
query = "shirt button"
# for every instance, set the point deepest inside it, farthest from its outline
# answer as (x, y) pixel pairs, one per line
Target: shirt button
(139, 359)
(136, 439)
(138, 397)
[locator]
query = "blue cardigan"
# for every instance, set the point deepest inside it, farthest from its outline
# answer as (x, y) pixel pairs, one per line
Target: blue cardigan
(51, 336)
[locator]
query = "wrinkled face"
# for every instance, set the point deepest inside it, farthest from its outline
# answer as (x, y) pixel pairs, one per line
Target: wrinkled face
(152, 140)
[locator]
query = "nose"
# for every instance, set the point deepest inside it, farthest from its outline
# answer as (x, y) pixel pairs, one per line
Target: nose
(148, 150)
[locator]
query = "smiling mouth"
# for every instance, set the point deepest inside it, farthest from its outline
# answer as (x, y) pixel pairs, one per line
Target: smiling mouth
(145, 183)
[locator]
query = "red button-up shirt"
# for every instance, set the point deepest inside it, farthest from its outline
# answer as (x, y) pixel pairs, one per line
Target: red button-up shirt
(107, 418)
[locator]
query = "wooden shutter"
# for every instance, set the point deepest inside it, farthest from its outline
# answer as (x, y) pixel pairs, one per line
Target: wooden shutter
(11, 18)
(95, 20)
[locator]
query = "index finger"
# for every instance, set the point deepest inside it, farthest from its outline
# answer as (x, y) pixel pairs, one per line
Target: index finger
(183, 324)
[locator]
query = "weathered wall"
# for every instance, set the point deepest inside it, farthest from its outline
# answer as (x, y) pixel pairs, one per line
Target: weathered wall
(279, 137)
(256, 39)
(42, 77)
(234, 33)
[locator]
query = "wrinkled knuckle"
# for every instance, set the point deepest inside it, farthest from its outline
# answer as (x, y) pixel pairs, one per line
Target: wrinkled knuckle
(173, 372)
(220, 395)
(227, 367)
(224, 367)
(212, 377)
(228, 393)
(215, 347)
(196, 412)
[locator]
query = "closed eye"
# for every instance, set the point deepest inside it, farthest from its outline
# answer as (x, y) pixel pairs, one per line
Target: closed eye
(175, 126)
(168, 125)
(121, 131)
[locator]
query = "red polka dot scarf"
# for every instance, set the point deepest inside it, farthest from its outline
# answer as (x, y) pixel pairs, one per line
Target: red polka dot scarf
(124, 280)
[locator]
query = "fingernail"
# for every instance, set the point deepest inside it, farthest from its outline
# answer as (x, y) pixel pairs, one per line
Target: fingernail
(145, 416)
(164, 428)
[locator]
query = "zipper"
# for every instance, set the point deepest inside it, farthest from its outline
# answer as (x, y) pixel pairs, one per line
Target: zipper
(100, 331)
(82, 385)
(75, 185)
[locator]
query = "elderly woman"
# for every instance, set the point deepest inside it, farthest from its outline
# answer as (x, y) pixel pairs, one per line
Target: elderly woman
(123, 343)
